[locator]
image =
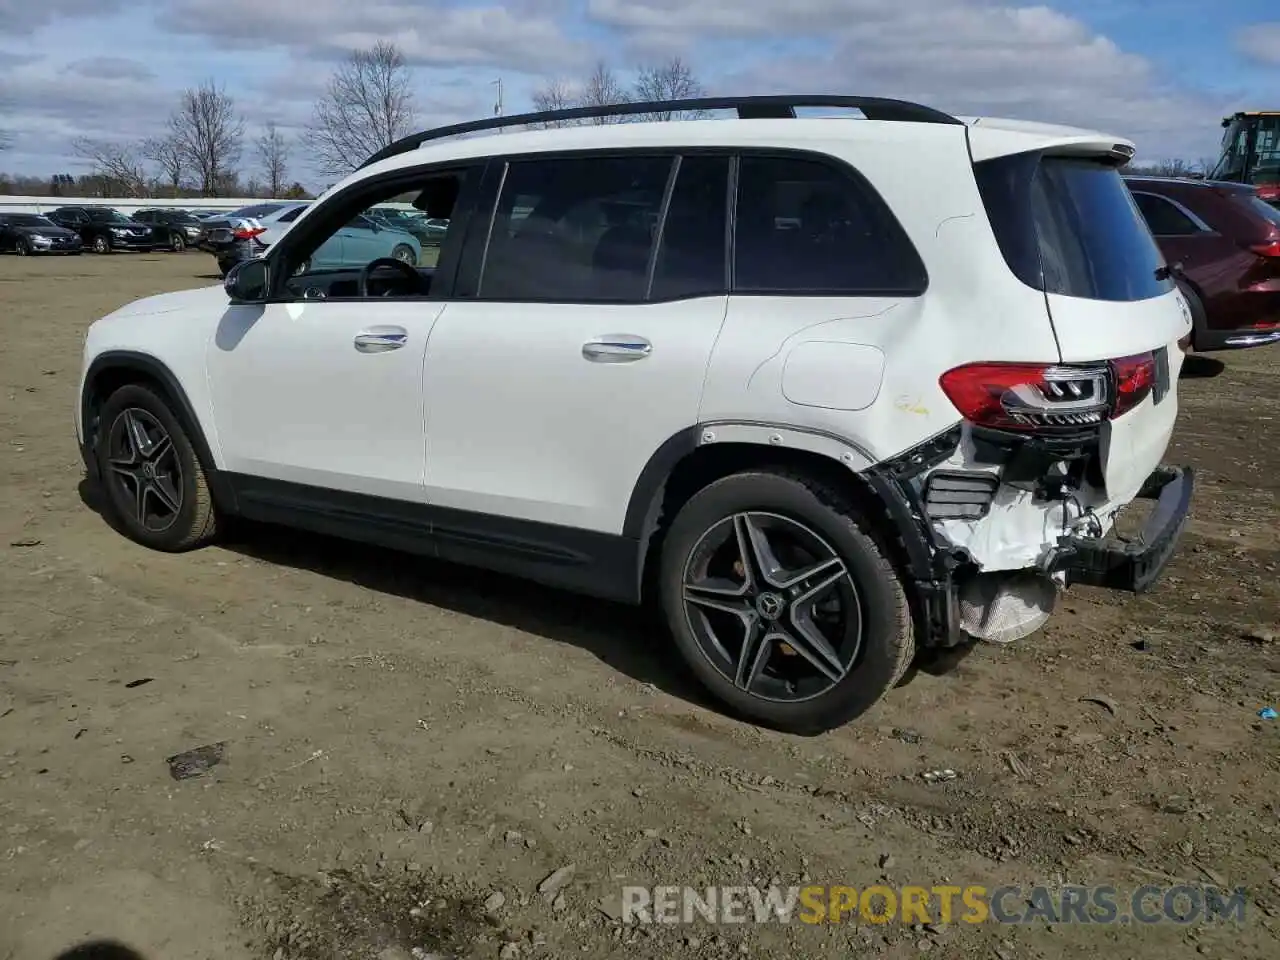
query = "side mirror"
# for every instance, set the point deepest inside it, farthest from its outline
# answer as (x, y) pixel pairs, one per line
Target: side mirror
(246, 282)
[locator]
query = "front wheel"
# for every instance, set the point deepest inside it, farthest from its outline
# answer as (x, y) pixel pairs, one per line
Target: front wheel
(101, 245)
(404, 253)
(782, 603)
(23, 248)
(156, 489)
(177, 243)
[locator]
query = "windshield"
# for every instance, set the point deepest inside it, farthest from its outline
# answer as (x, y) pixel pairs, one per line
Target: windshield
(1071, 227)
(1250, 151)
(108, 216)
(29, 220)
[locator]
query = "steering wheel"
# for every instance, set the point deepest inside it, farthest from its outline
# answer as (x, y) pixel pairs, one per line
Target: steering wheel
(407, 269)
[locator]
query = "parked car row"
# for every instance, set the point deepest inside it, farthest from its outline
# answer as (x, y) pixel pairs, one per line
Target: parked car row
(1222, 244)
(71, 229)
(376, 233)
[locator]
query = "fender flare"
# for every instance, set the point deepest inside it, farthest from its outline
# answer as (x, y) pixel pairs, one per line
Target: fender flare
(149, 366)
(646, 497)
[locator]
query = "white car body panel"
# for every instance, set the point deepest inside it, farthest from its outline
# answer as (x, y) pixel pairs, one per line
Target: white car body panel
(521, 425)
(296, 401)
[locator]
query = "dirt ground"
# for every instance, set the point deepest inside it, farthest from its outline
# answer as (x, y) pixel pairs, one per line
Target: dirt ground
(404, 739)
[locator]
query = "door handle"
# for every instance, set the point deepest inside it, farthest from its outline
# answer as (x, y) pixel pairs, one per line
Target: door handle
(381, 340)
(616, 348)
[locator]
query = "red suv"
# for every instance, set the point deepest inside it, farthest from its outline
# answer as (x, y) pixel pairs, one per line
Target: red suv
(1223, 242)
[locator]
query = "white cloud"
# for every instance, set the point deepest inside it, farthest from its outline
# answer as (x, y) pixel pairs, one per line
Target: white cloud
(430, 33)
(967, 56)
(111, 68)
(1260, 42)
(20, 18)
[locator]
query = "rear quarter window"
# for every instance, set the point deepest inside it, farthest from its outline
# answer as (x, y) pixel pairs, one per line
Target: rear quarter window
(1070, 226)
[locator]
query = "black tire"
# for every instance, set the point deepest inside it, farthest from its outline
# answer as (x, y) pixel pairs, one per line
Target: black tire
(1199, 320)
(101, 245)
(404, 253)
(177, 243)
(872, 661)
(22, 248)
(194, 522)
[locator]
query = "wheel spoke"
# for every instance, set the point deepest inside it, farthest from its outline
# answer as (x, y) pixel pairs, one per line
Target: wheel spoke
(756, 648)
(830, 573)
(137, 433)
(159, 448)
(164, 491)
(125, 468)
(140, 500)
(807, 640)
(757, 553)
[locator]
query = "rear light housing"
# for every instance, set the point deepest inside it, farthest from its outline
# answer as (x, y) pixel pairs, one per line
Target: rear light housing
(1049, 398)
(248, 233)
(1267, 249)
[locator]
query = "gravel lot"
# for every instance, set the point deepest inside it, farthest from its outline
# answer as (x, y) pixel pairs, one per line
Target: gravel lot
(404, 739)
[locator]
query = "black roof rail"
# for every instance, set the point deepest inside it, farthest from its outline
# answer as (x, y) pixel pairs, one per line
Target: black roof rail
(749, 108)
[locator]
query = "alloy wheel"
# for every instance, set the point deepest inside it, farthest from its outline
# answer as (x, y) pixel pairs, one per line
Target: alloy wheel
(145, 468)
(178, 244)
(101, 245)
(405, 254)
(22, 248)
(772, 607)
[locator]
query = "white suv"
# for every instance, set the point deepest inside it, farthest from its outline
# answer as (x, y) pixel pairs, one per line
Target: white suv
(827, 389)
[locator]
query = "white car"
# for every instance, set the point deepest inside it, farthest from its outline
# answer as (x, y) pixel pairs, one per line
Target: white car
(829, 390)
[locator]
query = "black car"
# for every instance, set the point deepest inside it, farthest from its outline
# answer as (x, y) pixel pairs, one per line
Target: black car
(30, 233)
(175, 229)
(104, 230)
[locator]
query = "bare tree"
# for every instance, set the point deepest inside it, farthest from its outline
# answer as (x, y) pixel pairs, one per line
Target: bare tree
(671, 80)
(167, 154)
(603, 89)
(114, 163)
(556, 95)
(208, 132)
(273, 156)
(367, 106)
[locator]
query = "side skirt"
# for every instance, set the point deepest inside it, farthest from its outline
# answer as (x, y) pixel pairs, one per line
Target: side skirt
(582, 561)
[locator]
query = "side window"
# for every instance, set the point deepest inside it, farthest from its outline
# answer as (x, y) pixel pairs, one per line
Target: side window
(292, 215)
(692, 258)
(1164, 219)
(805, 226)
(324, 257)
(577, 230)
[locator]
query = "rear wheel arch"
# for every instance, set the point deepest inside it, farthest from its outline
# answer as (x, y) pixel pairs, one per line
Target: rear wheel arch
(687, 463)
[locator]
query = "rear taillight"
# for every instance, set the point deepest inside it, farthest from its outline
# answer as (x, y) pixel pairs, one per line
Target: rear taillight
(247, 233)
(1029, 397)
(1267, 249)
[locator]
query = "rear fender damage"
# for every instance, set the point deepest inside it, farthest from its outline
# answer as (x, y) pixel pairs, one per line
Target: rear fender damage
(994, 524)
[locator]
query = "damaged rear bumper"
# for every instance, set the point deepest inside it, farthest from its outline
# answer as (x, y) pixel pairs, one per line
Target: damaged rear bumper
(1133, 565)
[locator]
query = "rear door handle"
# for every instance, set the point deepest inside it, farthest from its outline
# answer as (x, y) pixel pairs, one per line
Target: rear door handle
(616, 348)
(381, 339)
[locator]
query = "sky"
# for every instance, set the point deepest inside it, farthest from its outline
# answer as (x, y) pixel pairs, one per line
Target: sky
(1161, 72)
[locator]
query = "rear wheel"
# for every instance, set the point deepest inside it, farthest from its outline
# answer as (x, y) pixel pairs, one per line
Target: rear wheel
(1199, 321)
(782, 603)
(156, 489)
(101, 245)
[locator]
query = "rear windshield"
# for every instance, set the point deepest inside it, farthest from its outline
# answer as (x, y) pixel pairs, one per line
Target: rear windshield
(1070, 226)
(1260, 207)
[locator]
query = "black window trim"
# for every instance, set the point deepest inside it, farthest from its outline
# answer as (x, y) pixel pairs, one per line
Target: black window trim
(341, 207)
(473, 272)
(1202, 228)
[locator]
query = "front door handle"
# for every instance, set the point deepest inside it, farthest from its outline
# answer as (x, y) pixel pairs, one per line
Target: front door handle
(381, 339)
(616, 348)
